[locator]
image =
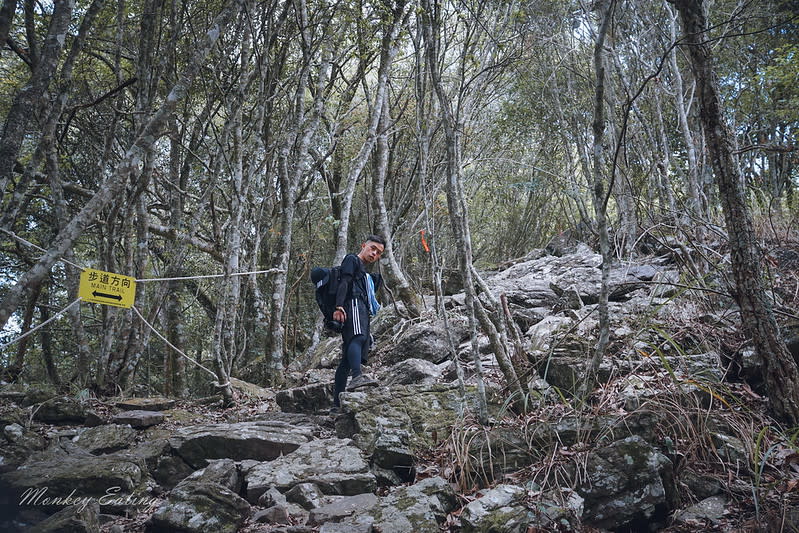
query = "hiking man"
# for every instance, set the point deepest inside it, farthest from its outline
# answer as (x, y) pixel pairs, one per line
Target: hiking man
(355, 303)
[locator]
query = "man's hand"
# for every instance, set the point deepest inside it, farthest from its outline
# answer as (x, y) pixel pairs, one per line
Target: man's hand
(339, 315)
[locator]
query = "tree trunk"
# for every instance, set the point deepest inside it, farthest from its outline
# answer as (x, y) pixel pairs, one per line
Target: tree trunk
(47, 344)
(6, 19)
(290, 174)
(600, 196)
(18, 362)
(388, 50)
(395, 278)
(32, 95)
(697, 202)
(780, 369)
(431, 27)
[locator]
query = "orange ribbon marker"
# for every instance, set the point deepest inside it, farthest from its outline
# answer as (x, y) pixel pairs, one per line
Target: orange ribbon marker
(424, 242)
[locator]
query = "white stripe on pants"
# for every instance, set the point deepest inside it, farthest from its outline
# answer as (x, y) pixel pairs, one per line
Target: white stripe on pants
(356, 317)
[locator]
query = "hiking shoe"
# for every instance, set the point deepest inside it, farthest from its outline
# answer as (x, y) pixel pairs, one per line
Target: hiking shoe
(361, 381)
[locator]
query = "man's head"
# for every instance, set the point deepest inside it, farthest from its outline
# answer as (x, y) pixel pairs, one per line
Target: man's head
(372, 249)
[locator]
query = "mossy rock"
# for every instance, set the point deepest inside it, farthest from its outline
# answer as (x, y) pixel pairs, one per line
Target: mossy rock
(146, 404)
(428, 412)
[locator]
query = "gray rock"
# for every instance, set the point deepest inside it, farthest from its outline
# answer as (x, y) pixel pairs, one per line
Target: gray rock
(146, 404)
(504, 509)
(708, 510)
(419, 508)
(93, 420)
(335, 527)
(392, 452)
(154, 444)
(260, 440)
(13, 432)
(139, 418)
(385, 477)
(341, 508)
(61, 411)
(277, 514)
(222, 472)
(324, 355)
(73, 518)
(425, 341)
(567, 371)
(731, 448)
(171, 470)
(701, 485)
(165, 467)
(272, 497)
(425, 411)
(568, 298)
(306, 399)
(105, 439)
(413, 372)
(334, 465)
(525, 317)
(500, 509)
(20, 444)
(307, 495)
(559, 510)
(34, 395)
(69, 470)
(627, 481)
(642, 272)
(199, 506)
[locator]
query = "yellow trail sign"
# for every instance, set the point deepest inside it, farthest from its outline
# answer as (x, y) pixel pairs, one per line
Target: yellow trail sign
(107, 288)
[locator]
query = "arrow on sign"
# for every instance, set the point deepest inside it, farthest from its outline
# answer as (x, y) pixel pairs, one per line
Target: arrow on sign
(104, 295)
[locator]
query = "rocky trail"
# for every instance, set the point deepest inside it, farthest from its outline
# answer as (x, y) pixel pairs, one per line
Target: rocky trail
(674, 438)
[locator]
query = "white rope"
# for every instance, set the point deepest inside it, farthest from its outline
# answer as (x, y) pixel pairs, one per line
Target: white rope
(30, 331)
(29, 243)
(269, 271)
(173, 346)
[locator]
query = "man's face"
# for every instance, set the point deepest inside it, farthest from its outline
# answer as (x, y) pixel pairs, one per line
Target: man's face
(371, 251)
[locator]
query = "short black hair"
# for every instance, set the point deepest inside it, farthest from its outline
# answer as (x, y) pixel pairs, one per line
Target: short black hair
(376, 238)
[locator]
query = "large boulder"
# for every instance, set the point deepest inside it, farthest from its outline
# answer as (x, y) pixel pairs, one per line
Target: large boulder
(530, 283)
(418, 508)
(200, 506)
(341, 508)
(568, 372)
(61, 411)
(167, 468)
(426, 412)
(105, 439)
(225, 472)
(392, 452)
(500, 509)
(334, 465)
(413, 372)
(307, 399)
(17, 444)
(628, 485)
(78, 518)
(146, 404)
(426, 341)
(501, 450)
(139, 418)
(504, 509)
(261, 440)
(67, 473)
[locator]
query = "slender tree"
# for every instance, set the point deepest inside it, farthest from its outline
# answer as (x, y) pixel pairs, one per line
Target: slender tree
(757, 316)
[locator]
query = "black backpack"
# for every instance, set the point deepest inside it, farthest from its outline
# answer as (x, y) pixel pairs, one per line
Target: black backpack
(326, 282)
